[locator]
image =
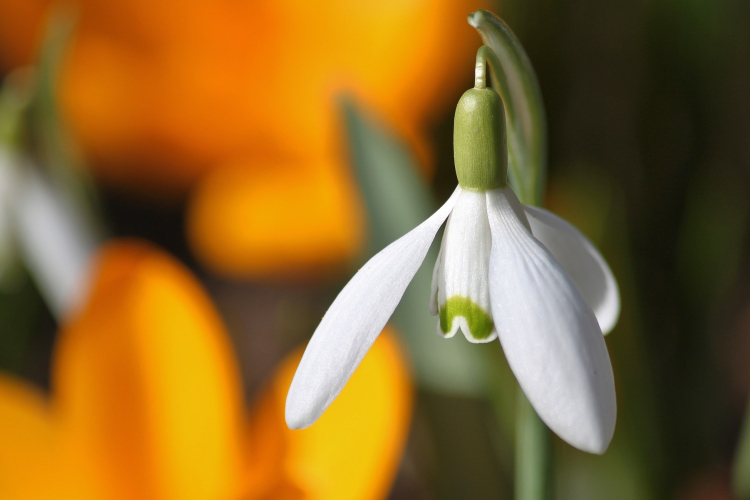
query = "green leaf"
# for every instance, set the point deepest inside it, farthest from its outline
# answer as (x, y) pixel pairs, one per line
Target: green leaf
(516, 82)
(14, 100)
(397, 200)
(741, 467)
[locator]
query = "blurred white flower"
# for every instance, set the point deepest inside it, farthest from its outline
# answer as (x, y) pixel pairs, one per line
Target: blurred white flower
(42, 225)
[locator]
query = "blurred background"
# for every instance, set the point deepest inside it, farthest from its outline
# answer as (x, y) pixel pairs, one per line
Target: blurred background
(186, 186)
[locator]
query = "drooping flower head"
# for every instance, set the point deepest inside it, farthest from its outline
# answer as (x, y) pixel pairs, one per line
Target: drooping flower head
(505, 270)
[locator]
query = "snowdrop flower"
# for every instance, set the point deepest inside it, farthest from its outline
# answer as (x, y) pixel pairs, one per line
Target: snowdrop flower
(505, 270)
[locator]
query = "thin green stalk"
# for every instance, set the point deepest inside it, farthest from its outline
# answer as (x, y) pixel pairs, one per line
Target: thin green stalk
(533, 454)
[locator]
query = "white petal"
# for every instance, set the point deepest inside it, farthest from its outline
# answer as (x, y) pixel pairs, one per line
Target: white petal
(355, 319)
(549, 334)
(463, 295)
(56, 243)
(435, 279)
(583, 262)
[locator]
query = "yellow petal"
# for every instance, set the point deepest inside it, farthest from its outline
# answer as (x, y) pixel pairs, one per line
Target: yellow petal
(267, 449)
(354, 449)
(26, 441)
(146, 384)
(31, 463)
(279, 220)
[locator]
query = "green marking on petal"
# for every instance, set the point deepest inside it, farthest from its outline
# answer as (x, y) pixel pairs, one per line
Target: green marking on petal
(480, 323)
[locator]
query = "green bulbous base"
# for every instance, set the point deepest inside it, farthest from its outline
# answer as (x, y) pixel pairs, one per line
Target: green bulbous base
(479, 140)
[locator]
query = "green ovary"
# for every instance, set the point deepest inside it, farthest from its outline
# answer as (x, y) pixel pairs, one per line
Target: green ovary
(480, 323)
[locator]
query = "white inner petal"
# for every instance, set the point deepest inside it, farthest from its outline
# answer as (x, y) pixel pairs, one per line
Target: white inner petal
(463, 296)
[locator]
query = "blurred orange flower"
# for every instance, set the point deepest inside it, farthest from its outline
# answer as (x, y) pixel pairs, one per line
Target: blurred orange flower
(162, 94)
(147, 403)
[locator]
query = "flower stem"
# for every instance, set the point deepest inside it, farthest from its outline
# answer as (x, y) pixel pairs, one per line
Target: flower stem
(533, 457)
(480, 70)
